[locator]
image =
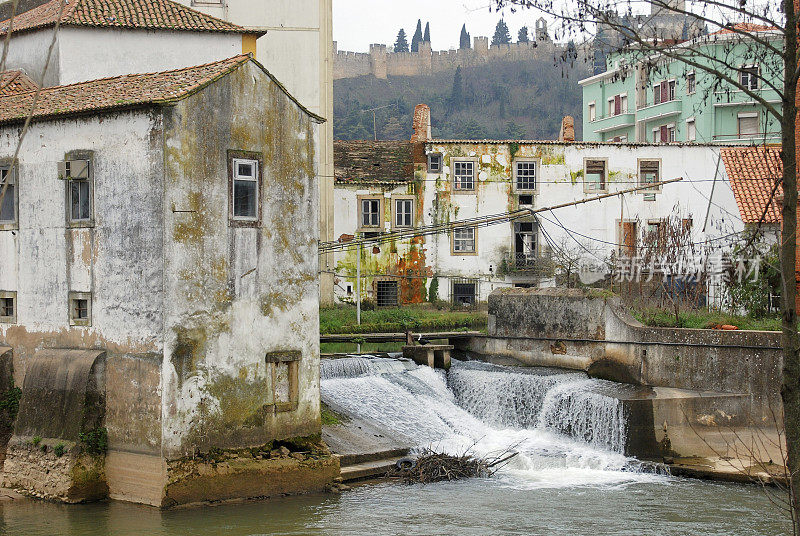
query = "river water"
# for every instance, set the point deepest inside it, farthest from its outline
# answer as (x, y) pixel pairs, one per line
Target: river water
(569, 478)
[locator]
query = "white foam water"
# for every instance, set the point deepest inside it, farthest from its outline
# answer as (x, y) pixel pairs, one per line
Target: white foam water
(566, 433)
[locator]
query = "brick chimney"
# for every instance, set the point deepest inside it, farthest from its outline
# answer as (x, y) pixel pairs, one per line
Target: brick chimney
(422, 124)
(567, 132)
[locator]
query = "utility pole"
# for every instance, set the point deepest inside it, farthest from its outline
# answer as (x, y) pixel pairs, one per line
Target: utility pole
(358, 290)
(374, 122)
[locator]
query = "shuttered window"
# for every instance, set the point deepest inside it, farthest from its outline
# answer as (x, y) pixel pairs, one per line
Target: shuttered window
(748, 125)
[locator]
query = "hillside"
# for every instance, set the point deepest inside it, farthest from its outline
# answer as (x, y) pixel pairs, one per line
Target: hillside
(498, 100)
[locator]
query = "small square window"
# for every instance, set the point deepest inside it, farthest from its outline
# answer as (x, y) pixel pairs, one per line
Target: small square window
(464, 175)
(80, 308)
(464, 241)
(748, 124)
(465, 292)
(245, 189)
(403, 212)
(525, 200)
(386, 293)
(525, 174)
(595, 175)
(8, 307)
(8, 206)
(434, 163)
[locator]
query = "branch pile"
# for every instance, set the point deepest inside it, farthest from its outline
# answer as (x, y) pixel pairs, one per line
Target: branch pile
(432, 467)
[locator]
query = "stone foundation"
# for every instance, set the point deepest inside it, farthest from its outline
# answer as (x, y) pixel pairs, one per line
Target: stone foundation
(38, 470)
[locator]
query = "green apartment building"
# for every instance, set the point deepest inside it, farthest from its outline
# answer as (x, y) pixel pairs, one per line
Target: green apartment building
(655, 99)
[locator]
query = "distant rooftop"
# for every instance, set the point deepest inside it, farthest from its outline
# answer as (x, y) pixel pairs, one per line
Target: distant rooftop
(15, 82)
(367, 161)
(130, 14)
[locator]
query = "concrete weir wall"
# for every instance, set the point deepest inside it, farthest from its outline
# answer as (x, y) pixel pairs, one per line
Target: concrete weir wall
(694, 379)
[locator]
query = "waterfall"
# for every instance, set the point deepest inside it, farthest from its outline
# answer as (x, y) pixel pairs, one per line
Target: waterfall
(565, 426)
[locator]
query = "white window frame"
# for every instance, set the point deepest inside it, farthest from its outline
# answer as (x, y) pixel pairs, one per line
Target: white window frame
(748, 115)
(435, 157)
(65, 172)
(610, 107)
(753, 81)
(236, 177)
(370, 228)
(592, 112)
(515, 174)
(691, 129)
(459, 242)
(455, 162)
(396, 200)
(693, 76)
(659, 100)
(12, 194)
(672, 133)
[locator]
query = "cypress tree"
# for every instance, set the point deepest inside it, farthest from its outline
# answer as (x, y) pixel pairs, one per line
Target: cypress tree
(401, 45)
(427, 37)
(501, 34)
(457, 92)
(417, 39)
(465, 38)
(522, 36)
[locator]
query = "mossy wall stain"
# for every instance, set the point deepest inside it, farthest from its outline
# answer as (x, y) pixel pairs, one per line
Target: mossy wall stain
(234, 290)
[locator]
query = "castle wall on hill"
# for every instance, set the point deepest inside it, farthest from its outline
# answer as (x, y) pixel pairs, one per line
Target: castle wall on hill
(380, 63)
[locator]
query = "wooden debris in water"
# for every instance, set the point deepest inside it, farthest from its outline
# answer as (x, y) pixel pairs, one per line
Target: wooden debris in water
(432, 467)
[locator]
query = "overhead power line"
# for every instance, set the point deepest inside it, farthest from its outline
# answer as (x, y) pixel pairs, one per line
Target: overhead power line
(480, 221)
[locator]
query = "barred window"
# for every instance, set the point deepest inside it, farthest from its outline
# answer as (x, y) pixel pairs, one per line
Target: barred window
(464, 175)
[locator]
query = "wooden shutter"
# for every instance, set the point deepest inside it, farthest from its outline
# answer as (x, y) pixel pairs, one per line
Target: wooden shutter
(664, 134)
(617, 105)
(664, 91)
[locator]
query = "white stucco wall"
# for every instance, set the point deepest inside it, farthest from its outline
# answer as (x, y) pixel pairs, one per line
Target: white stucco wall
(713, 215)
(118, 259)
(89, 53)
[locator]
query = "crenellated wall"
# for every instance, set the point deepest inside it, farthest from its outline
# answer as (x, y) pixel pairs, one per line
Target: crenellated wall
(380, 62)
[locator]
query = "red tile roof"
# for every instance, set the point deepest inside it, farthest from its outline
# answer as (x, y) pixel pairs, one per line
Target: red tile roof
(145, 14)
(15, 82)
(119, 92)
(752, 172)
(746, 27)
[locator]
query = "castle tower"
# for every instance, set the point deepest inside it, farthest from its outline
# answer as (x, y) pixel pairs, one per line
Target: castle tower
(541, 30)
(481, 47)
(377, 56)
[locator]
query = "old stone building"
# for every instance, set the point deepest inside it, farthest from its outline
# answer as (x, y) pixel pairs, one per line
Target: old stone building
(159, 268)
(386, 187)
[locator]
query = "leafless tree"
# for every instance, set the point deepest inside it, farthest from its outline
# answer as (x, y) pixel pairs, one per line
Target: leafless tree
(742, 19)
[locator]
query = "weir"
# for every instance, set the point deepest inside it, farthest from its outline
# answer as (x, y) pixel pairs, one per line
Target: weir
(567, 428)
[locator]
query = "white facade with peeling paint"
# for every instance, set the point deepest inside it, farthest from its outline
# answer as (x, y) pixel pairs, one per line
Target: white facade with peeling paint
(704, 195)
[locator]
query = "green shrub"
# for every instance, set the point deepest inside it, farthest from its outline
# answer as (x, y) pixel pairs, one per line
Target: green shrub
(94, 441)
(433, 290)
(36, 440)
(59, 449)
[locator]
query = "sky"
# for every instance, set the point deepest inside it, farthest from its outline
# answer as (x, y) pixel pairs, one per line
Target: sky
(358, 23)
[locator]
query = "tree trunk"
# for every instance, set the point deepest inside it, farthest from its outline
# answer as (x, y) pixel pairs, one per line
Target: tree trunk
(790, 386)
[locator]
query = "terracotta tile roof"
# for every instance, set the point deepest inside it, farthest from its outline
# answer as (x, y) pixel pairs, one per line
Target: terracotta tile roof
(361, 161)
(118, 92)
(15, 82)
(746, 27)
(752, 172)
(145, 14)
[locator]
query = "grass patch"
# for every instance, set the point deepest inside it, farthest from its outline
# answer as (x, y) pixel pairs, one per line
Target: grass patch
(330, 417)
(698, 319)
(342, 319)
